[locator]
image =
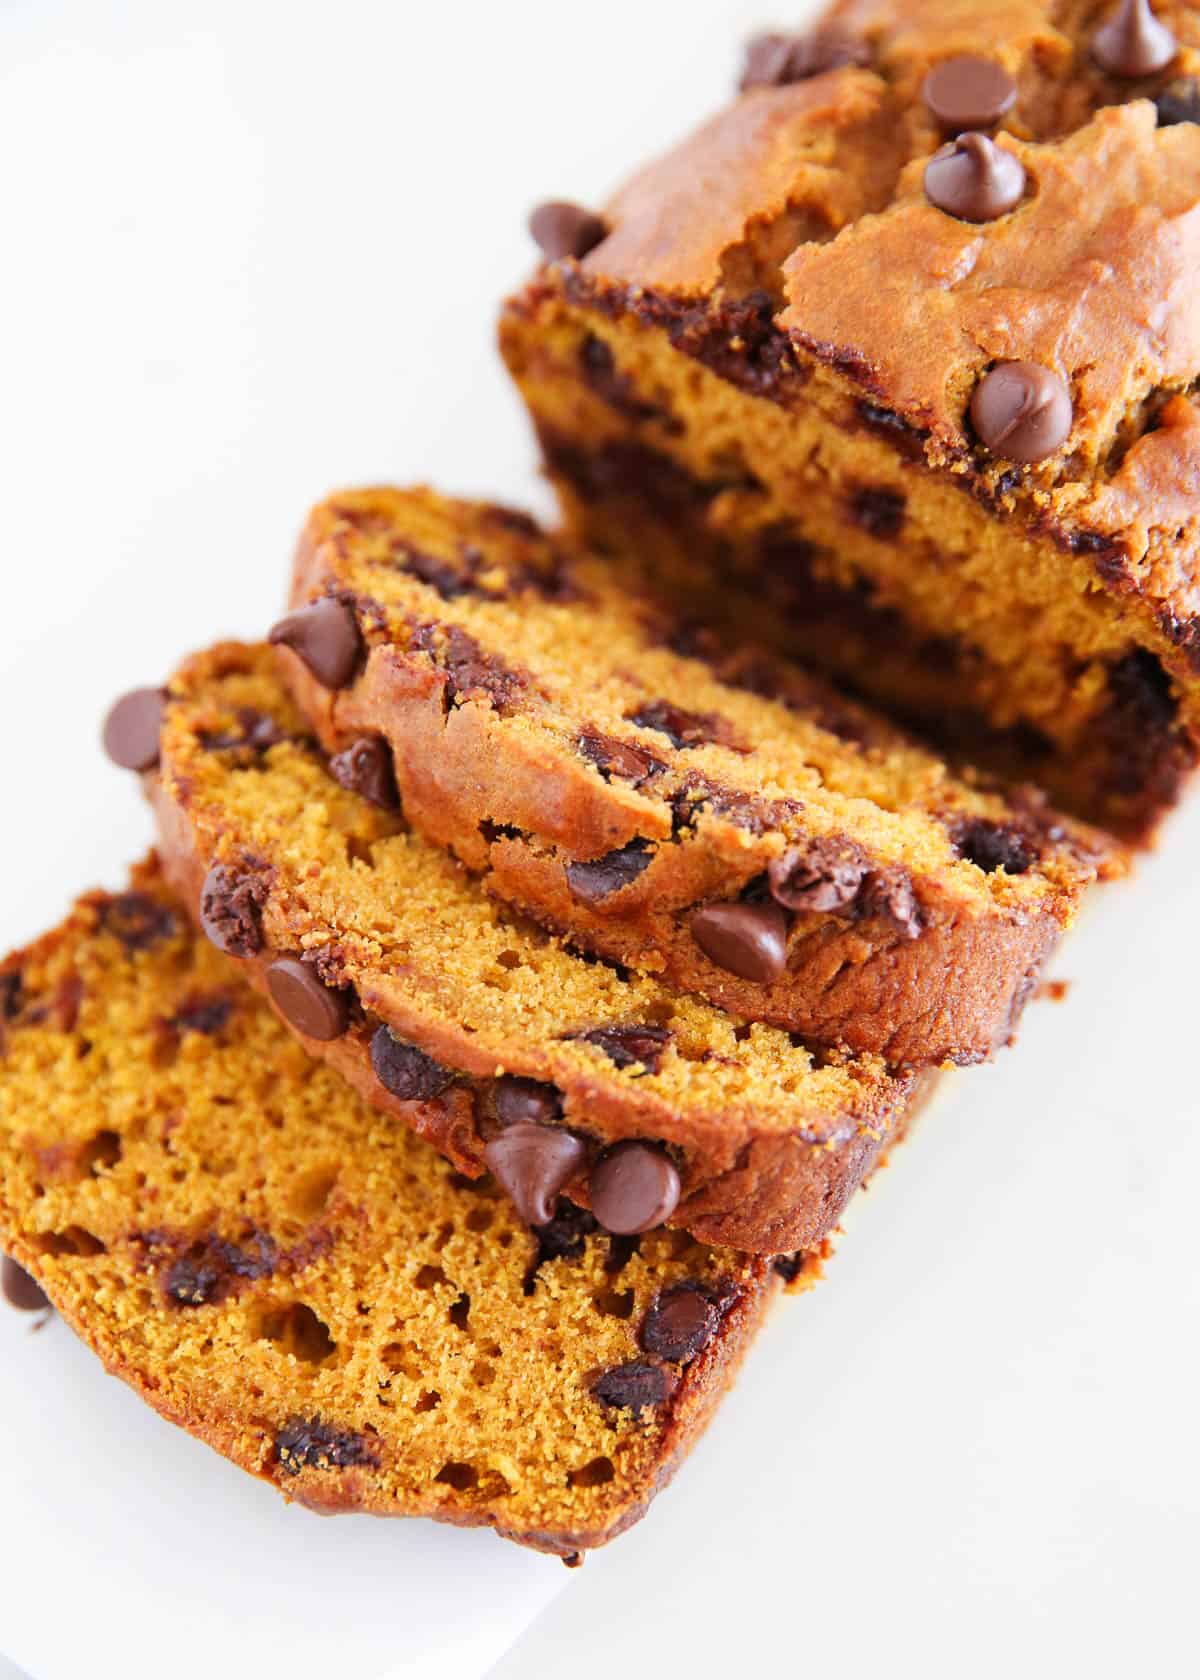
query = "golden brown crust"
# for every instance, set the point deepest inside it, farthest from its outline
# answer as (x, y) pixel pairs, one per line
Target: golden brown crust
(238, 1239)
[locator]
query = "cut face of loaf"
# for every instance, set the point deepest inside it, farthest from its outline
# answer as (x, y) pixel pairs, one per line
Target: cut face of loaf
(466, 1021)
(314, 1291)
(677, 804)
(784, 382)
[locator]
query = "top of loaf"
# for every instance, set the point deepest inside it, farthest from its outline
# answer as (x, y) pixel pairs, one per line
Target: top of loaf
(799, 216)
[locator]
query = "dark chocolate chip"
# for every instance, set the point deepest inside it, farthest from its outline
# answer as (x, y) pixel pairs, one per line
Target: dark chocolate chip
(565, 1236)
(561, 229)
(525, 1100)
(404, 1070)
(1133, 42)
(1022, 411)
(974, 179)
(822, 876)
(749, 940)
(599, 878)
(879, 510)
(310, 1444)
(777, 60)
(620, 758)
(211, 1267)
(19, 1289)
(635, 1387)
(231, 910)
(1179, 102)
(633, 1187)
(132, 727)
(318, 1011)
(254, 730)
(203, 1015)
(534, 1163)
(631, 1046)
(365, 768)
(968, 92)
(469, 669)
(679, 1323)
(889, 895)
(11, 992)
(789, 1266)
(682, 729)
(138, 921)
(993, 845)
(326, 637)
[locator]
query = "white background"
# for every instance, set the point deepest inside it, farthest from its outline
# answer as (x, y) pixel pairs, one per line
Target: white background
(250, 253)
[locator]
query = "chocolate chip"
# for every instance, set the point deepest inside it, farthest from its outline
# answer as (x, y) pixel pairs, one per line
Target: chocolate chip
(679, 1323)
(749, 940)
(310, 1444)
(231, 910)
(562, 230)
(11, 994)
(525, 1100)
(682, 729)
(889, 895)
(131, 729)
(203, 1015)
(408, 1073)
(326, 637)
(620, 758)
(993, 845)
(318, 1011)
(968, 92)
(253, 730)
(469, 670)
(633, 1187)
(138, 921)
(789, 1266)
(974, 179)
(599, 878)
(1179, 102)
(1133, 42)
(1022, 411)
(366, 768)
(19, 1289)
(565, 1236)
(777, 60)
(879, 510)
(210, 1268)
(635, 1387)
(823, 876)
(630, 1046)
(534, 1163)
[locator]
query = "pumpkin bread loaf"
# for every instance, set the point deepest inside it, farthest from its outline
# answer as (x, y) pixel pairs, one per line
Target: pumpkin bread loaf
(469, 1023)
(683, 807)
(896, 360)
(314, 1291)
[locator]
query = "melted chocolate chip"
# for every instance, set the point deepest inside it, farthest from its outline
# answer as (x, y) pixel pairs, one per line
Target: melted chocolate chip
(994, 845)
(1179, 102)
(974, 179)
(968, 92)
(310, 1444)
(633, 1187)
(888, 894)
(207, 1015)
(624, 759)
(325, 637)
(469, 670)
(525, 1100)
(879, 510)
(318, 1011)
(366, 768)
(599, 878)
(534, 1163)
(823, 876)
(682, 729)
(19, 1289)
(635, 1387)
(561, 229)
(11, 991)
(778, 60)
(749, 940)
(631, 1046)
(405, 1071)
(208, 1270)
(1133, 42)
(254, 731)
(1022, 411)
(679, 1323)
(131, 729)
(231, 910)
(615, 388)
(789, 1266)
(565, 1236)
(138, 921)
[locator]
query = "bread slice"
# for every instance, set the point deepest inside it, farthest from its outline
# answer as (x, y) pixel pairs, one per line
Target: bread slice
(312, 1290)
(688, 809)
(468, 1022)
(766, 381)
